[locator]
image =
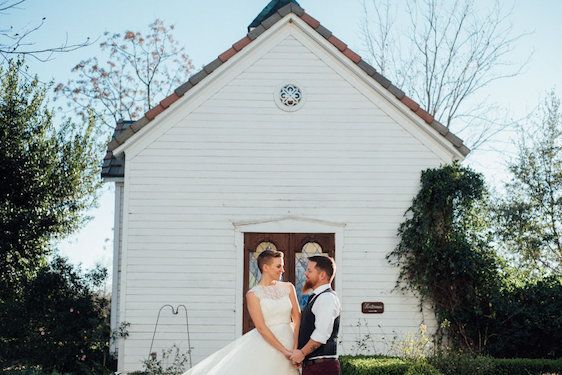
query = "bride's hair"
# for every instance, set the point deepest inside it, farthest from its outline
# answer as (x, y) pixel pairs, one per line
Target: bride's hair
(267, 256)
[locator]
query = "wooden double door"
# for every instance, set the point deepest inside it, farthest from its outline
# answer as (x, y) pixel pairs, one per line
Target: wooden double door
(296, 247)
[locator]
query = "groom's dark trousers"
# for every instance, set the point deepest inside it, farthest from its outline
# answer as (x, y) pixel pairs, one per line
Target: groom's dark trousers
(327, 367)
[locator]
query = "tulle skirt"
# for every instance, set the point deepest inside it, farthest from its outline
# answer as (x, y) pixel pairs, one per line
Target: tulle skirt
(250, 354)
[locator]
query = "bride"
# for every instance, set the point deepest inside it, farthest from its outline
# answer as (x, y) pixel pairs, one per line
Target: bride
(266, 349)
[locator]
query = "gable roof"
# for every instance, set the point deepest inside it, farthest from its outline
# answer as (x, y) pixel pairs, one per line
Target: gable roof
(114, 167)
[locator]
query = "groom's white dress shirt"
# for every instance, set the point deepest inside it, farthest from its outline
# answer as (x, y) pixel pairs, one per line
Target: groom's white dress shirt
(326, 309)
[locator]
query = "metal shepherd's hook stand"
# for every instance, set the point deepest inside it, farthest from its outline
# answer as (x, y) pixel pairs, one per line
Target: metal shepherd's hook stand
(175, 312)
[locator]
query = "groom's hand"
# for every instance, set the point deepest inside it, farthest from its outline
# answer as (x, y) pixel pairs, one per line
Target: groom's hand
(298, 356)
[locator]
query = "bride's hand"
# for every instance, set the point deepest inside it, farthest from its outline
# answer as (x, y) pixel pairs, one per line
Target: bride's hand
(288, 353)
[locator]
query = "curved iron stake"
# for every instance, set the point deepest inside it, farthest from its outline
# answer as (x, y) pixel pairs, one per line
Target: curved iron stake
(175, 312)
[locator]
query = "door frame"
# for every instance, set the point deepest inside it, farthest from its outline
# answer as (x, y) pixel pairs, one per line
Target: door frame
(290, 224)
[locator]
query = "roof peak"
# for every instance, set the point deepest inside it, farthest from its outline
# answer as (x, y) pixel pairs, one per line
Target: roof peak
(113, 167)
(269, 10)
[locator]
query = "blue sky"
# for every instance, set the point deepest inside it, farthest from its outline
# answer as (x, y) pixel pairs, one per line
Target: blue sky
(207, 28)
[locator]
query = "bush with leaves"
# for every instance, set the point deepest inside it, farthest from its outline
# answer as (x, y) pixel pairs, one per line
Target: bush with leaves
(172, 362)
(528, 217)
(466, 364)
(59, 321)
(529, 321)
(364, 365)
(422, 368)
(49, 175)
(444, 254)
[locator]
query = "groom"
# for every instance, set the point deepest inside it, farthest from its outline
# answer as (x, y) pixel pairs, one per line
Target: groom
(320, 321)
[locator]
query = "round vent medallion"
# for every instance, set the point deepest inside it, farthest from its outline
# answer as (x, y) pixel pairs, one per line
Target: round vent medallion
(289, 97)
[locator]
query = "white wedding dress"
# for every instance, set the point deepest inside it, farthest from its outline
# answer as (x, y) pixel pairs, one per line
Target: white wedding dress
(251, 354)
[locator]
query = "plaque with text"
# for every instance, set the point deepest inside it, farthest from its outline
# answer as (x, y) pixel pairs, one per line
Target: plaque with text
(372, 307)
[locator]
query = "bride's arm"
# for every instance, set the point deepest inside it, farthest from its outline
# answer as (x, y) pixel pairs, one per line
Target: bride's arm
(257, 317)
(295, 315)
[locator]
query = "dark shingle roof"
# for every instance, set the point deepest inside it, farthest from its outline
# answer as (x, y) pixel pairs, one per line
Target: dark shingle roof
(115, 167)
(270, 10)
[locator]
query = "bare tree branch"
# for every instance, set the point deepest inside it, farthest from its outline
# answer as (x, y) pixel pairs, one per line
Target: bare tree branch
(453, 50)
(14, 41)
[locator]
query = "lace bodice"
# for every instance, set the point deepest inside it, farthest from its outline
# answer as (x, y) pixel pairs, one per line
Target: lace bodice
(275, 302)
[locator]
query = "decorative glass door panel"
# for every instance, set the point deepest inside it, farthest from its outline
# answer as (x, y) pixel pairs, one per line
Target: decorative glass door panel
(296, 247)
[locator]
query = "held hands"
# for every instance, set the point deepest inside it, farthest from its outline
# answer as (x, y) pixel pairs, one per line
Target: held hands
(287, 353)
(297, 357)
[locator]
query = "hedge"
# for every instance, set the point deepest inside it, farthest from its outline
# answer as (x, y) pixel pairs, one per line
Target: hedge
(450, 365)
(362, 365)
(443, 365)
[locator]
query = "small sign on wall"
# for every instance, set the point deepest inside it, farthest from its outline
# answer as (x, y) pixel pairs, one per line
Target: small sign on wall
(372, 307)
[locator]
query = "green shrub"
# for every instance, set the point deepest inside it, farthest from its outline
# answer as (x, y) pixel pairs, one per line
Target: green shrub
(462, 364)
(450, 364)
(362, 365)
(57, 322)
(30, 371)
(529, 321)
(522, 366)
(458, 364)
(422, 368)
(445, 254)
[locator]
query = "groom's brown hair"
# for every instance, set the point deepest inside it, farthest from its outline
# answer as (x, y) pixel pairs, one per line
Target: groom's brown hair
(267, 256)
(326, 264)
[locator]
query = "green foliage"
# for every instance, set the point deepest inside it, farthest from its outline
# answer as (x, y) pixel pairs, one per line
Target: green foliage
(449, 364)
(59, 322)
(29, 371)
(529, 321)
(422, 368)
(363, 365)
(48, 177)
(172, 362)
(529, 215)
(444, 254)
(462, 364)
(445, 257)
(414, 347)
(523, 366)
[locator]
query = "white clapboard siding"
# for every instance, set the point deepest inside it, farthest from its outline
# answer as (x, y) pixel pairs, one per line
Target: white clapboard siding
(117, 261)
(237, 157)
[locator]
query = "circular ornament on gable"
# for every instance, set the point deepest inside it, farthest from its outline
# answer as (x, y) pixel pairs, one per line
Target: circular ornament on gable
(289, 97)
